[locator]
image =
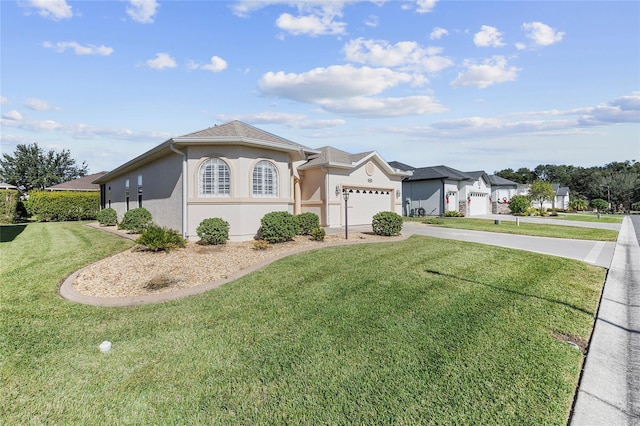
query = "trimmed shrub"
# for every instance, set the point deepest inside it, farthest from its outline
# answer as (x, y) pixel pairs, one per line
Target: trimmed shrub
(278, 227)
(318, 234)
(11, 208)
(136, 220)
(156, 238)
(453, 213)
(308, 222)
(260, 245)
(107, 217)
(63, 205)
(519, 204)
(599, 204)
(213, 231)
(387, 223)
(578, 204)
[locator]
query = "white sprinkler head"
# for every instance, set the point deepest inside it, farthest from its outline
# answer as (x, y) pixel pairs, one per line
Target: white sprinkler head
(105, 346)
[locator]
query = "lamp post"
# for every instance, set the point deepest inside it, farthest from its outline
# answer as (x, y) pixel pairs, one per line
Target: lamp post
(345, 195)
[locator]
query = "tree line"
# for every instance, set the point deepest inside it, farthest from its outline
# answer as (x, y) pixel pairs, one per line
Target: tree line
(617, 182)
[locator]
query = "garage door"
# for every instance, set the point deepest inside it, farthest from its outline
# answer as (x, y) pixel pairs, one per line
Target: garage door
(365, 203)
(479, 204)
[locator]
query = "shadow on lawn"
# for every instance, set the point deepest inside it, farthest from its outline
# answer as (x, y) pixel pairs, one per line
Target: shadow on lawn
(431, 271)
(8, 233)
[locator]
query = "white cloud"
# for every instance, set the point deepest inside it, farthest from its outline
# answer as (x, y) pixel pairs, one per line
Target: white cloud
(12, 115)
(542, 34)
(425, 6)
(162, 61)
(407, 55)
(142, 11)
(51, 9)
(336, 81)
(79, 49)
(437, 33)
(625, 109)
(216, 64)
(312, 25)
(491, 71)
(372, 21)
(371, 107)
(488, 37)
(297, 121)
(3, 100)
(38, 104)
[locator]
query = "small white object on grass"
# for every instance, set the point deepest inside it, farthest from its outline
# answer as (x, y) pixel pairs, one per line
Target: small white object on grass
(105, 346)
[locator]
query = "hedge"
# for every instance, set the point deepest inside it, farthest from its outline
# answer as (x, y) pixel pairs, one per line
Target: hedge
(63, 205)
(11, 208)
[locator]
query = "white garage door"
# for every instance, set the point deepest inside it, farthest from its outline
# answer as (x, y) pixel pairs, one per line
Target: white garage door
(479, 204)
(365, 203)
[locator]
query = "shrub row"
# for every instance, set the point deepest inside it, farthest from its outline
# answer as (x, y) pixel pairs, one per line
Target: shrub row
(63, 205)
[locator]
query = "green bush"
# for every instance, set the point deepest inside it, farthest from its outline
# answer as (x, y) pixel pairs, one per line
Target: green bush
(107, 217)
(213, 231)
(308, 222)
(578, 204)
(157, 238)
(11, 208)
(599, 204)
(519, 204)
(387, 223)
(63, 205)
(635, 206)
(453, 213)
(136, 220)
(318, 234)
(278, 227)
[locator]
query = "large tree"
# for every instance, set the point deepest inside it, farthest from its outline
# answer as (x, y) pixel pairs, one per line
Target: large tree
(30, 167)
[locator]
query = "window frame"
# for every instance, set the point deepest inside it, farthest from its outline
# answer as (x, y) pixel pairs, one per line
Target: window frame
(265, 183)
(214, 187)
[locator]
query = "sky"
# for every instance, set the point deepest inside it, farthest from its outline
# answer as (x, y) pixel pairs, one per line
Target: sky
(474, 85)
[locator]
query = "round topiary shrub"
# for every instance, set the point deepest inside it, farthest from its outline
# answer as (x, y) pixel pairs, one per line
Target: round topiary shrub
(156, 238)
(136, 220)
(387, 223)
(519, 204)
(107, 217)
(213, 231)
(318, 234)
(278, 227)
(308, 222)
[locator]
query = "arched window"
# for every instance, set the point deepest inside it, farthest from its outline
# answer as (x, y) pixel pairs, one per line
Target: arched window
(215, 178)
(265, 179)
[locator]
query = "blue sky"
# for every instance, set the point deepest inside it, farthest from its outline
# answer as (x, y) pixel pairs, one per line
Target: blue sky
(473, 85)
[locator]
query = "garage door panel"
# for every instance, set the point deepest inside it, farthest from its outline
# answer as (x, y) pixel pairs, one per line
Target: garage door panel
(364, 204)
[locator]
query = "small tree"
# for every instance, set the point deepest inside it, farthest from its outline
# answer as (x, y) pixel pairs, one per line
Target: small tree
(599, 204)
(578, 204)
(542, 191)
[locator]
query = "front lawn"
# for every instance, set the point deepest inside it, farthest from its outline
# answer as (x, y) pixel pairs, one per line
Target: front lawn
(525, 228)
(412, 332)
(590, 217)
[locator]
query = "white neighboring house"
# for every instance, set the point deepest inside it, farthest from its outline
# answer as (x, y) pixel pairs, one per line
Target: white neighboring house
(560, 200)
(239, 173)
(502, 190)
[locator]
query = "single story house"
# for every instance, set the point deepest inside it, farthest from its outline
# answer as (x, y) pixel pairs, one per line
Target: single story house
(502, 190)
(83, 184)
(435, 190)
(560, 200)
(239, 173)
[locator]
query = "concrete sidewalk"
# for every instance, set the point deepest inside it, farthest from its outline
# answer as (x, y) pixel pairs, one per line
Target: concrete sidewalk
(609, 390)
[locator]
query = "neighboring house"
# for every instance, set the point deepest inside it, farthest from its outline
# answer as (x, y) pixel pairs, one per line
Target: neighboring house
(439, 189)
(4, 185)
(502, 190)
(239, 173)
(81, 184)
(560, 200)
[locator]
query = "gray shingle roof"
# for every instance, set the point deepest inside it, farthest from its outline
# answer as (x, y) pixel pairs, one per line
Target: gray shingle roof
(401, 166)
(331, 155)
(80, 184)
(500, 181)
(238, 129)
(438, 172)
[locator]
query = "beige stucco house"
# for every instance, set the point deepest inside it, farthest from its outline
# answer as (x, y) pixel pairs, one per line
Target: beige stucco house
(239, 173)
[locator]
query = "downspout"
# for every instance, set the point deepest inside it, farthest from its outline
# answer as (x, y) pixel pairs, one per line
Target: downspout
(443, 197)
(184, 189)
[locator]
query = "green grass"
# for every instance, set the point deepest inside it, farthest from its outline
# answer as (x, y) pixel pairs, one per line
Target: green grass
(590, 217)
(534, 229)
(413, 332)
